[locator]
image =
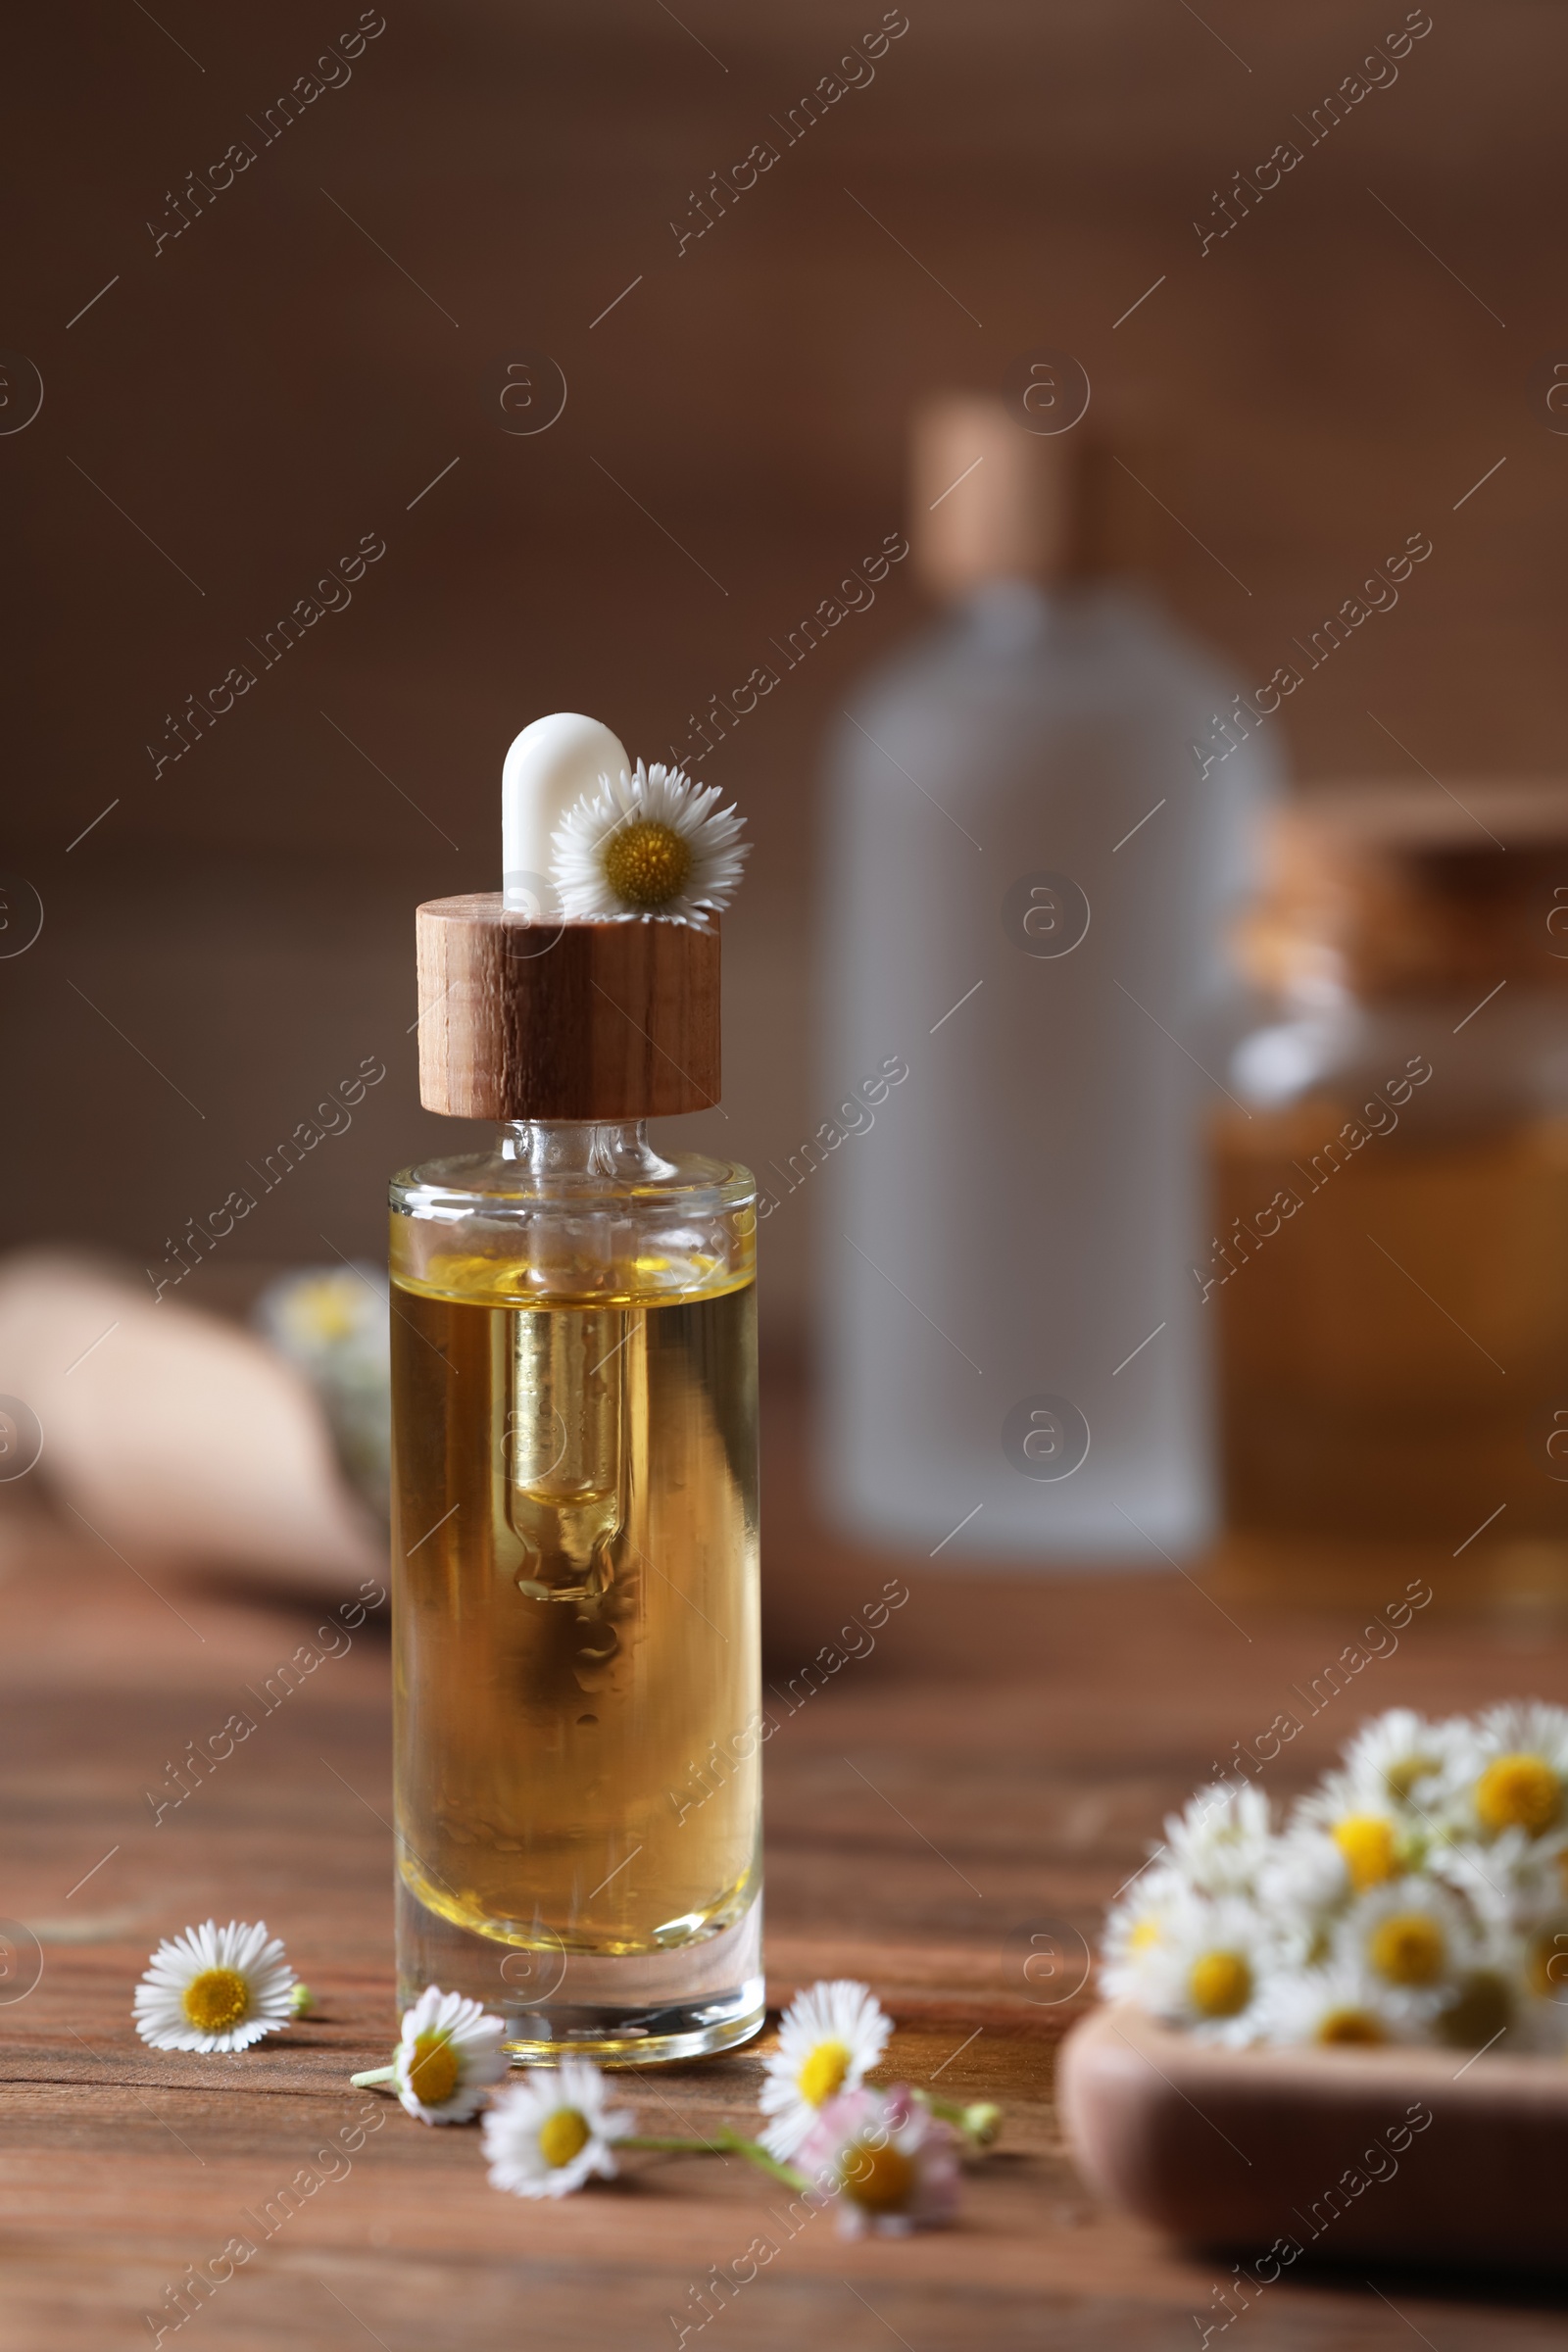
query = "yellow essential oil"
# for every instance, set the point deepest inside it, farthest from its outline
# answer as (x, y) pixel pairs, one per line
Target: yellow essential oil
(575, 1591)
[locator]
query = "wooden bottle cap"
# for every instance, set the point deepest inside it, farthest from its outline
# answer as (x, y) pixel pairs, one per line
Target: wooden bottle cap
(552, 1020)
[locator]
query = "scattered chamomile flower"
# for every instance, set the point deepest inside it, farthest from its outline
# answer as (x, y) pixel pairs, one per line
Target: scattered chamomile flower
(1330, 2007)
(545, 2135)
(301, 1999)
(828, 2039)
(891, 2165)
(652, 844)
(1210, 1966)
(213, 1988)
(449, 2055)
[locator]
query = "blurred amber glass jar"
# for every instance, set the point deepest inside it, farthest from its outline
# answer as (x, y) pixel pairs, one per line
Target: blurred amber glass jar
(1389, 1259)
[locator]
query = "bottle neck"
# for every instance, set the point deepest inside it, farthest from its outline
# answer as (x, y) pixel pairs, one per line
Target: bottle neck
(580, 1147)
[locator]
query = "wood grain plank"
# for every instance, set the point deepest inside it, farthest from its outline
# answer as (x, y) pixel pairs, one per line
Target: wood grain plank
(1017, 1741)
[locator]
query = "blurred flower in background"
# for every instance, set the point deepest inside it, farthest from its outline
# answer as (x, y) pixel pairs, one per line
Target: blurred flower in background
(330, 1323)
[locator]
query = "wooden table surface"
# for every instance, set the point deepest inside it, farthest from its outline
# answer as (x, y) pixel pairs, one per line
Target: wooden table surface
(993, 1769)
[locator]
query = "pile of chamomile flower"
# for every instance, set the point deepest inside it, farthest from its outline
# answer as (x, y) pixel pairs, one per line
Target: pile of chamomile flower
(1419, 1894)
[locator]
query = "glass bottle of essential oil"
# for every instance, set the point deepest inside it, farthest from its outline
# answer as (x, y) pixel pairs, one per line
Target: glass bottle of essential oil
(1388, 1265)
(574, 1409)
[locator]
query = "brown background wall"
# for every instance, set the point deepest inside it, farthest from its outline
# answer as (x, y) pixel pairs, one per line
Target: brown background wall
(232, 413)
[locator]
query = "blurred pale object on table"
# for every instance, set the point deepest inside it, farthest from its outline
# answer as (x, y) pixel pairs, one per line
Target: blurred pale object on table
(174, 1434)
(330, 1323)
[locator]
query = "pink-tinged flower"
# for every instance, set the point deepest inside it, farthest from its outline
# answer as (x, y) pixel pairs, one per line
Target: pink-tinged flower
(891, 2162)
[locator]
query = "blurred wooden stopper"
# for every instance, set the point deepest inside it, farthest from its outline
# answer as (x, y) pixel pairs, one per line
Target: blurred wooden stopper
(525, 1019)
(993, 500)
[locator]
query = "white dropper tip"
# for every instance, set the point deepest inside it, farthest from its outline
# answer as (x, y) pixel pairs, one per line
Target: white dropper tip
(548, 770)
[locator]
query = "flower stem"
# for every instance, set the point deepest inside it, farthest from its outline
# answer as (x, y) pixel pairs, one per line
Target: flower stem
(724, 2143)
(376, 2074)
(979, 2122)
(755, 2153)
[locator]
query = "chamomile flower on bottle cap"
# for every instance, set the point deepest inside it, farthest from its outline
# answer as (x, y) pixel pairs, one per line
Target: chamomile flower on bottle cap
(649, 845)
(587, 987)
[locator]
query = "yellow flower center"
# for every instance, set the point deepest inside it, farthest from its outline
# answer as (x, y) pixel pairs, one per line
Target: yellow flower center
(1349, 2025)
(1408, 1949)
(434, 2071)
(562, 2137)
(1220, 1983)
(821, 2077)
(216, 1999)
(1519, 1792)
(647, 864)
(1142, 1936)
(1371, 1853)
(1483, 2010)
(879, 2178)
(326, 1309)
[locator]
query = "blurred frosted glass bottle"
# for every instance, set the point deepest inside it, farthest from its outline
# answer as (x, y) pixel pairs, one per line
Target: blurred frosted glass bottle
(1030, 874)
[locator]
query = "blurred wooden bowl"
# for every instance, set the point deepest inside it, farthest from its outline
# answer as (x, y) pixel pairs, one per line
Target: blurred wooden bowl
(1392, 2154)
